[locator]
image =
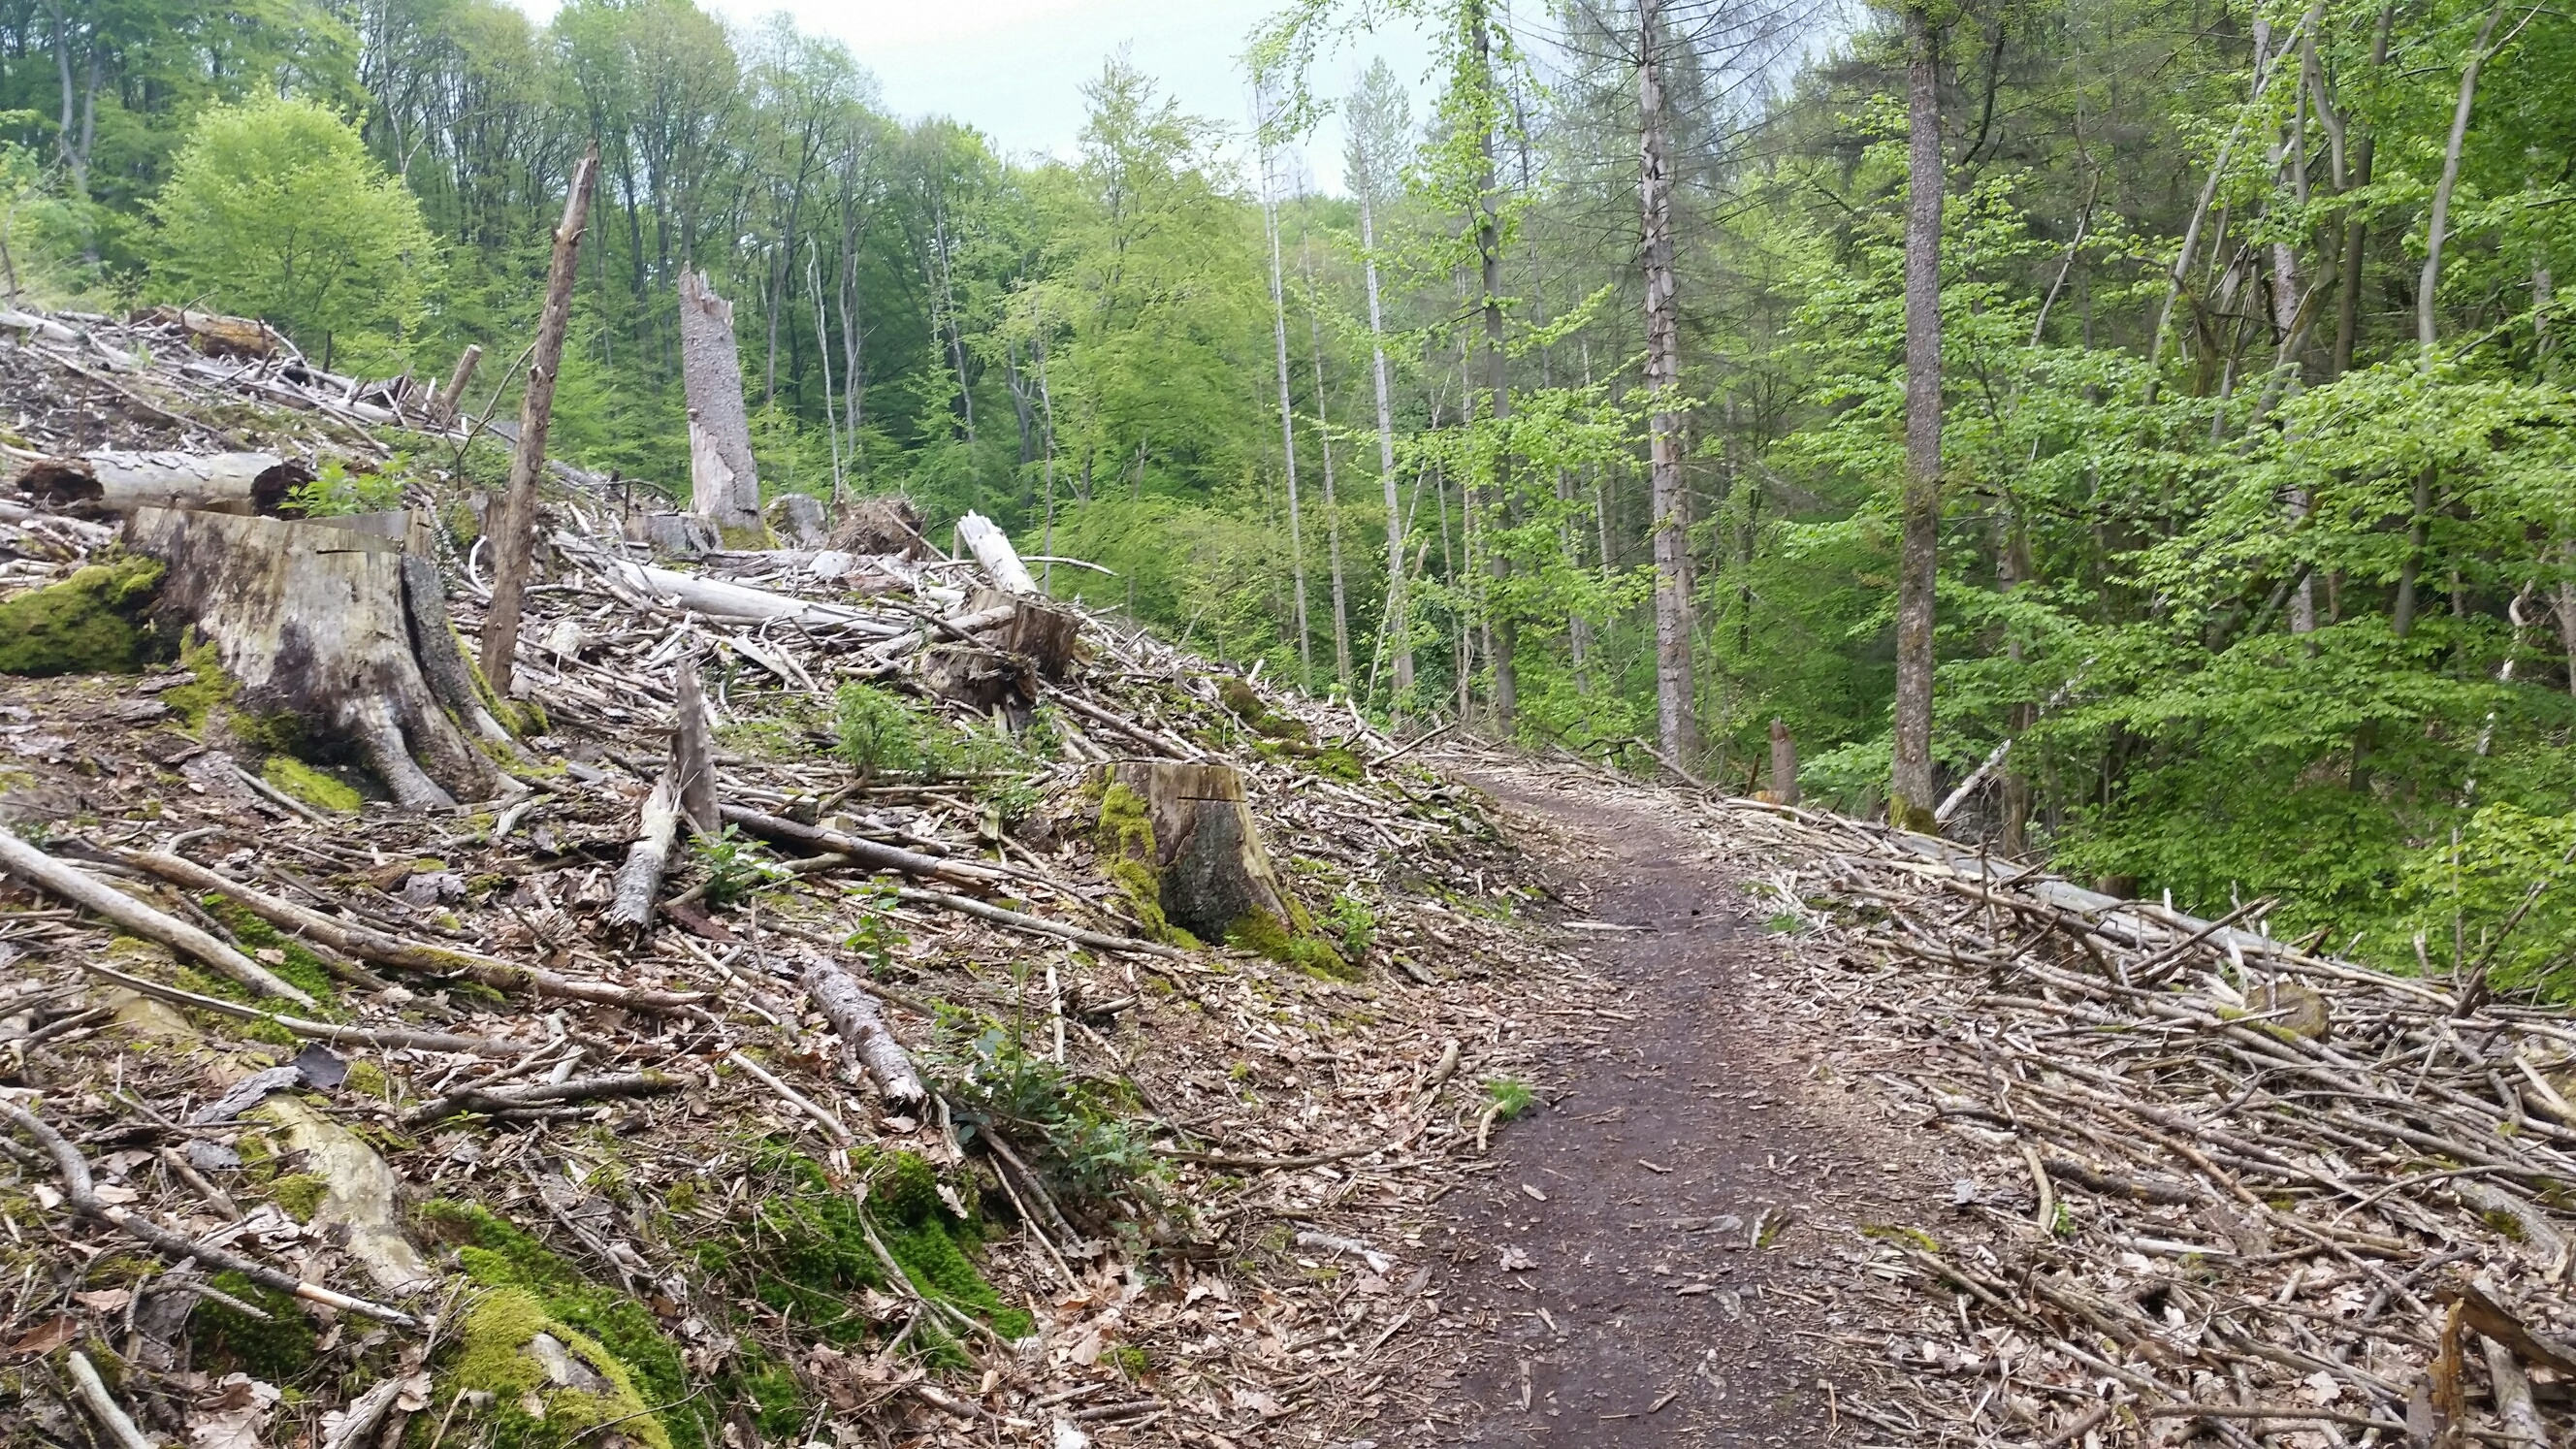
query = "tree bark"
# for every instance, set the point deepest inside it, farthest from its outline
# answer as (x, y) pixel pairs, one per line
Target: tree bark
(724, 484)
(514, 524)
(2429, 283)
(1287, 424)
(1399, 622)
(993, 553)
(2356, 230)
(1676, 692)
(857, 1016)
(109, 481)
(1332, 505)
(452, 396)
(1784, 766)
(1503, 638)
(1910, 787)
(1187, 825)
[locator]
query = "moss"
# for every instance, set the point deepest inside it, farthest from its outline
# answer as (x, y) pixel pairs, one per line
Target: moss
(300, 1194)
(196, 701)
(1341, 764)
(223, 1339)
(1124, 838)
(314, 787)
(295, 962)
(1264, 934)
(756, 536)
(90, 623)
(499, 1256)
(493, 1357)
(1248, 706)
(520, 718)
(930, 1256)
(369, 1080)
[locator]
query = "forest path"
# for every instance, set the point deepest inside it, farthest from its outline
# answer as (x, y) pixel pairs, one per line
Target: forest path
(1658, 1257)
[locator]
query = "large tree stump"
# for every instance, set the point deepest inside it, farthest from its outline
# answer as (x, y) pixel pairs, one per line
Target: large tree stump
(723, 483)
(1180, 842)
(310, 617)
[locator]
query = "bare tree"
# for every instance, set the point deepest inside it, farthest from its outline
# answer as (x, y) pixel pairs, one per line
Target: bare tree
(1377, 124)
(1676, 694)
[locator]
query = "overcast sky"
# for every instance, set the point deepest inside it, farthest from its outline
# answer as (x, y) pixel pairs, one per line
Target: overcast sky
(1014, 68)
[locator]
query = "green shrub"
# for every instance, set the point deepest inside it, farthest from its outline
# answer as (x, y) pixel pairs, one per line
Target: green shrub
(879, 731)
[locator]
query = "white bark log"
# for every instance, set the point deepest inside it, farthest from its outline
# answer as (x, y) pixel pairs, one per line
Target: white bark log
(719, 599)
(855, 1013)
(112, 481)
(639, 880)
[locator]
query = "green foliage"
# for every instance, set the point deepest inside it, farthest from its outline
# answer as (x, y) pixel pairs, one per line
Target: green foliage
(1072, 1128)
(878, 731)
(312, 786)
(90, 623)
(274, 209)
(736, 867)
(877, 936)
(336, 492)
(1507, 1098)
(223, 1339)
(1354, 923)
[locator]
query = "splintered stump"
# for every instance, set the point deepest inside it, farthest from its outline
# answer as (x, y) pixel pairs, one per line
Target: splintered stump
(311, 618)
(1181, 843)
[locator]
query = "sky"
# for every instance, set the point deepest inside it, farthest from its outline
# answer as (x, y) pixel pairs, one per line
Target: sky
(1014, 68)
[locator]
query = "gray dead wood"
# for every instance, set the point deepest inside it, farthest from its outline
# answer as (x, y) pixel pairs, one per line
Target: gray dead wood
(693, 762)
(856, 1014)
(108, 481)
(993, 553)
(1207, 860)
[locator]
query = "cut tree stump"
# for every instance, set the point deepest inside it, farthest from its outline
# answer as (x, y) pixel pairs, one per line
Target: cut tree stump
(723, 484)
(1181, 843)
(310, 617)
(112, 481)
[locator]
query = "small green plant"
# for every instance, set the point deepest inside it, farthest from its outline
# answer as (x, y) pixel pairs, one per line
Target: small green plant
(338, 493)
(875, 938)
(735, 868)
(994, 1084)
(1508, 1097)
(878, 731)
(1784, 924)
(1355, 923)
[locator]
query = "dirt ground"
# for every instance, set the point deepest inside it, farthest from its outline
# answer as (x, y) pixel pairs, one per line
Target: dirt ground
(1663, 1252)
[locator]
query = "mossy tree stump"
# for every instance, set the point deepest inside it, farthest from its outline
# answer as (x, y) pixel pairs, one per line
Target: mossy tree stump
(1180, 841)
(312, 619)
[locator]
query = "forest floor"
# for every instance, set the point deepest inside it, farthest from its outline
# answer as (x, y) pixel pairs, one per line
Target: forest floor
(1663, 1252)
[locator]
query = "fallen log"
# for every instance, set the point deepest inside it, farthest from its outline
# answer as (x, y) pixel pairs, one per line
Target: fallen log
(993, 553)
(543, 1094)
(60, 878)
(386, 949)
(310, 618)
(639, 880)
(109, 481)
(216, 335)
(855, 1013)
(718, 599)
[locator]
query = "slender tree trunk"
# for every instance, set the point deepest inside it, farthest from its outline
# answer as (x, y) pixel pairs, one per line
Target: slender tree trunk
(1502, 625)
(1332, 505)
(1046, 402)
(1287, 425)
(1676, 694)
(1910, 788)
(514, 523)
(2356, 230)
(1400, 623)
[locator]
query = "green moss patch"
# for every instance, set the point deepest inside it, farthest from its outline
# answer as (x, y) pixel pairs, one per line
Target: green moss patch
(90, 623)
(1124, 838)
(300, 1194)
(223, 1339)
(196, 701)
(515, 1349)
(292, 961)
(1248, 706)
(317, 788)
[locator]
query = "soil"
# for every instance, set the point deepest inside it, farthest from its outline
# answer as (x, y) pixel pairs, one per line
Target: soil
(1663, 1252)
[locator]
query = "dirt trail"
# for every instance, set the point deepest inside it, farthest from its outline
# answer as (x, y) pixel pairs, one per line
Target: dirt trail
(1659, 1256)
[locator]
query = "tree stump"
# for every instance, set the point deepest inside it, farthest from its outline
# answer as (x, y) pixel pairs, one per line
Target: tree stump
(310, 618)
(1181, 843)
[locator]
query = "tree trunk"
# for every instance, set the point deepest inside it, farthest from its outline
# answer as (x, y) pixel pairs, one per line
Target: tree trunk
(515, 523)
(1910, 787)
(310, 618)
(452, 397)
(1784, 766)
(2429, 283)
(724, 484)
(993, 553)
(1187, 829)
(1287, 425)
(1676, 693)
(1502, 624)
(2356, 231)
(1399, 622)
(1332, 505)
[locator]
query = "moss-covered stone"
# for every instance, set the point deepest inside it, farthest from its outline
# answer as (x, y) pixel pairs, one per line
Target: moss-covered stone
(90, 623)
(316, 788)
(299, 1193)
(551, 1384)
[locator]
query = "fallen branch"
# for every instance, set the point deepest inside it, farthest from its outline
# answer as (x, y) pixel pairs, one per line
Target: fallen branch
(870, 853)
(854, 1013)
(79, 887)
(103, 1406)
(436, 1041)
(80, 1192)
(1017, 920)
(542, 1094)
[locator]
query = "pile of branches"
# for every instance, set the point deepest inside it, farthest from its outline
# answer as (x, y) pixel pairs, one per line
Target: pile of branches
(2228, 1187)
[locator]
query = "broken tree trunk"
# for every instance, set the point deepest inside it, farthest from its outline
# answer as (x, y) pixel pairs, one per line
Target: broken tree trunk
(216, 335)
(693, 763)
(993, 553)
(452, 397)
(856, 1014)
(723, 484)
(801, 522)
(639, 880)
(514, 525)
(1784, 766)
(1179, 839)
(310, 618)
(111, 481)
